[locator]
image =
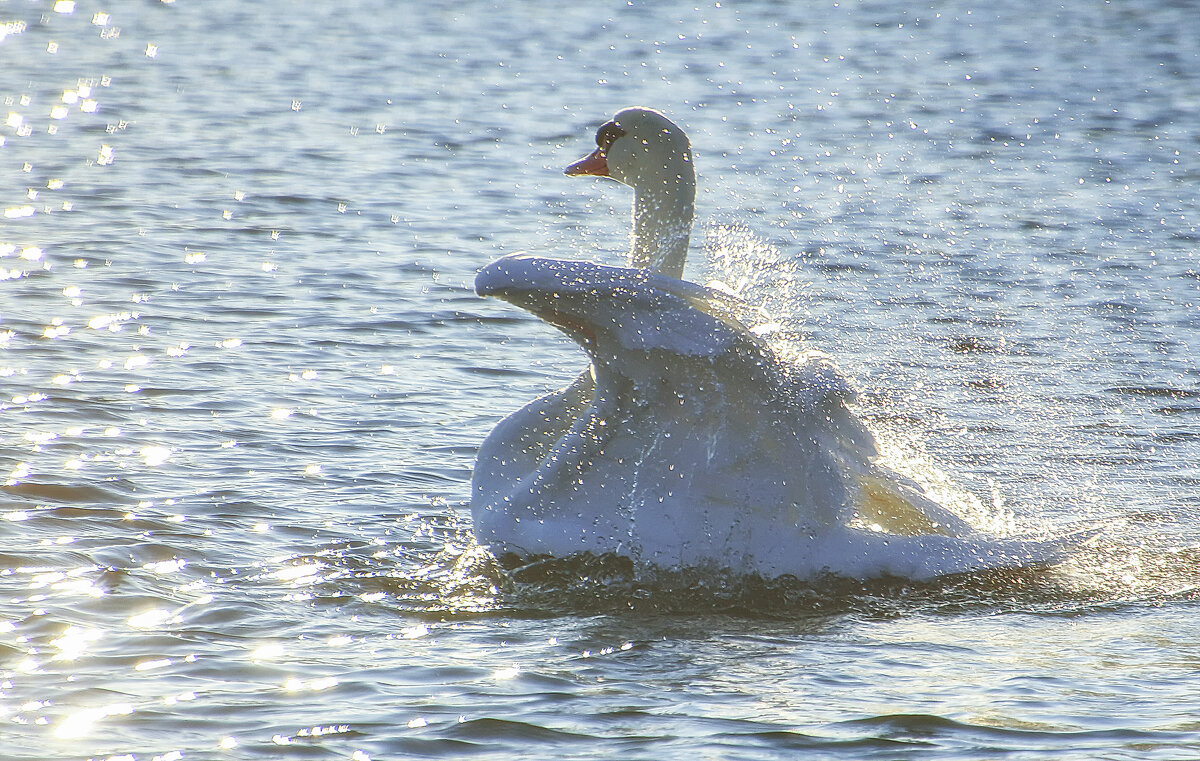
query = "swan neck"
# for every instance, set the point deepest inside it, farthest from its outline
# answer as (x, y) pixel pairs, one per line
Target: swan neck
(662, 226)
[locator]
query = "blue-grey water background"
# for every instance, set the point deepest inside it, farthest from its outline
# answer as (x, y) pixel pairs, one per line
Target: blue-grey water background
(243, 374)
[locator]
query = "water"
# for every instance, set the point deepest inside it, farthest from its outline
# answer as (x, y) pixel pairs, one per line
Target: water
(244, 374)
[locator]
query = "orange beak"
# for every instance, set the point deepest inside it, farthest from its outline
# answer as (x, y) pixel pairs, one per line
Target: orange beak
(594, 164)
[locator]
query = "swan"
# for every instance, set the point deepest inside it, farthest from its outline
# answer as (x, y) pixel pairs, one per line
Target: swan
(691, 442)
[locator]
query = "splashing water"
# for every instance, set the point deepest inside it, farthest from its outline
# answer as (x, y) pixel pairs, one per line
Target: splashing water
(744, 266)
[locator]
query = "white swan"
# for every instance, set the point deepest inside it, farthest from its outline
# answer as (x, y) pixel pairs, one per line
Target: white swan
(691, 442)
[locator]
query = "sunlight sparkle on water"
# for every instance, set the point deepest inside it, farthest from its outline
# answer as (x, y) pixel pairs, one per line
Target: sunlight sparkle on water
(316, 685)
(305, 572)
(82, 722)
(150, 665)
(414, 632)
(151, 619)
(75, 641)
(40, 437)
(11, 28)
(155, 455)
(165, 567)
(268, 652)
(112, 322)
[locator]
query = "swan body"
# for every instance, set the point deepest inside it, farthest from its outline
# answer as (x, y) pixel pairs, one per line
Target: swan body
(690, 441)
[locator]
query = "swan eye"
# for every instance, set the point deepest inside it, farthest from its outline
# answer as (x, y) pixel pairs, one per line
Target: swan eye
(608, 134)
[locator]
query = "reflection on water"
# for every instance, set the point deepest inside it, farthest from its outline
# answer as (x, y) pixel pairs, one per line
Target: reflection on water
(243, 374)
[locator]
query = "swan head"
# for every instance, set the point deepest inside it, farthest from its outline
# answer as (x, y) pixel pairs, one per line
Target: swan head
(643, 149)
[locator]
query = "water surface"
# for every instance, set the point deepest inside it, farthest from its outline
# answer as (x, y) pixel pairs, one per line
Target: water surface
(243, 374)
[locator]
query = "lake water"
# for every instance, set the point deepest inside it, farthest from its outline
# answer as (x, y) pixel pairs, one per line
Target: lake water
(243, 373)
